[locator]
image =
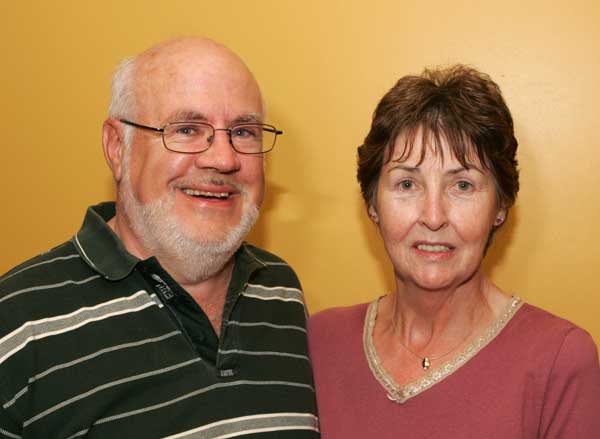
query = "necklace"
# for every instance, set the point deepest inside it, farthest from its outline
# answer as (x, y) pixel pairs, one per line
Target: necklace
(400, 394)
(427, 359)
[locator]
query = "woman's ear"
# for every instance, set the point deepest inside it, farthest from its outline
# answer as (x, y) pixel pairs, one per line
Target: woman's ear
(373, 214)
(500, 217)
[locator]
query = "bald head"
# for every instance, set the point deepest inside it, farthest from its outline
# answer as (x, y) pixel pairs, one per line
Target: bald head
(137, 81)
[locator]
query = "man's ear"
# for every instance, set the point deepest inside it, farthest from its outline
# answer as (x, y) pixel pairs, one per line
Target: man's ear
(373, 214)
(113, 145)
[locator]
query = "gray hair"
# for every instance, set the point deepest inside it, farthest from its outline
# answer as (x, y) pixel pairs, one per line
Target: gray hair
(122, 102)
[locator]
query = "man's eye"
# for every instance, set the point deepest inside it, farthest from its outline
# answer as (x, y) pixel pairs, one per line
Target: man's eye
(245, 132)
(186, 131)
(406, 184)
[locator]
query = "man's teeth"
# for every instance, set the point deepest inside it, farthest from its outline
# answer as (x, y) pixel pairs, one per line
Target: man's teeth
(196, 193)
(433, 248)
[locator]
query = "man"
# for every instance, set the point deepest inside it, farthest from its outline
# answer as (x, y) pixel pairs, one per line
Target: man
(155, 320)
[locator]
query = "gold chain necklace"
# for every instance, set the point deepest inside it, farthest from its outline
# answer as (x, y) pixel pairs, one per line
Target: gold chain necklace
(426, 360)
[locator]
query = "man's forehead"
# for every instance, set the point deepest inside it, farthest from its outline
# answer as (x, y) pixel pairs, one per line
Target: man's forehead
(189, 56)
(177, 77)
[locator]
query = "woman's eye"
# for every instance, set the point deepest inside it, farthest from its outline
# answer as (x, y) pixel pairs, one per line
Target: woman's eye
(406, 184)
(464, 185)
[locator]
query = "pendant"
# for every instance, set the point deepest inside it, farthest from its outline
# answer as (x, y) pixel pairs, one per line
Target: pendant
(426, 363)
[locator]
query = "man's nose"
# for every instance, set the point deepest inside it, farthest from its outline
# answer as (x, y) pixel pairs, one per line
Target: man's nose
(434, 211)
(220, 156)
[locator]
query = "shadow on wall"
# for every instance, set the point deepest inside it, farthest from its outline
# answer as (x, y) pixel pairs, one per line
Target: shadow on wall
(497, 251)
(259, 235)
(376, 248)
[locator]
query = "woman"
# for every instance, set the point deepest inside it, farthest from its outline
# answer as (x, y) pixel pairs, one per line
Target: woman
(448, 354)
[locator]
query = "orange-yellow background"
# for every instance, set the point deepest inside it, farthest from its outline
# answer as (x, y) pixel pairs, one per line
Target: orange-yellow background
(323, 66)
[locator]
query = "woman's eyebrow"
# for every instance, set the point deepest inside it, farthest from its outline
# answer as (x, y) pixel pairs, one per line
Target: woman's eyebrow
(460, 169)
(398, 166)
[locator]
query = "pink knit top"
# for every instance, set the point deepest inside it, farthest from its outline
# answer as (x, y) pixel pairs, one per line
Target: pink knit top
(537, 377)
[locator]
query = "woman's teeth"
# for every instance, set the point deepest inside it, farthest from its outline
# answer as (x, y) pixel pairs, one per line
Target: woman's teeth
(433, 248)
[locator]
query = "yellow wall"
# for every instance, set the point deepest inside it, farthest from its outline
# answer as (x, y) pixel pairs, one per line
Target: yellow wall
(323, 66)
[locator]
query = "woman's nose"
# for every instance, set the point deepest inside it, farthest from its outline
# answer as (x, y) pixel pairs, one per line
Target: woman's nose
(433, 212)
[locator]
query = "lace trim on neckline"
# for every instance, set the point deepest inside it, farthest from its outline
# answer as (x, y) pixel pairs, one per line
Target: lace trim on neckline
(434, 375)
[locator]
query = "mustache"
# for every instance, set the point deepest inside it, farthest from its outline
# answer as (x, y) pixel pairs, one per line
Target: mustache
(212, 181)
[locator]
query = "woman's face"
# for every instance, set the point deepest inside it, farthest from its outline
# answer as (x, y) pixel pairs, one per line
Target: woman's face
(435, 216)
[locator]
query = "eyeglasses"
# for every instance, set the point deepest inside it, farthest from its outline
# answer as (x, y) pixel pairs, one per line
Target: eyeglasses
(195, 137)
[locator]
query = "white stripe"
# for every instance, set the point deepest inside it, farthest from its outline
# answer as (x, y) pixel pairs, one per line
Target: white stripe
(86, 257)
(262, 287)
(25, 326)
(283, 299)
(275, 263)
(270, 325)
(49, 287)
(265, 430)
(154, 297)
(284, 294)
(243, 419)
(191, 395)
(107, 386)
(60, 258)
(258, 353)
(86, 358)
(9, 434)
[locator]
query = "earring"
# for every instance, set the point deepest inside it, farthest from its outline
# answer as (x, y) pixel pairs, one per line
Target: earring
(499, 220)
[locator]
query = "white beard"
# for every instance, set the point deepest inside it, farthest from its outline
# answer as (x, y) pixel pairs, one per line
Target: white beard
(173, 243)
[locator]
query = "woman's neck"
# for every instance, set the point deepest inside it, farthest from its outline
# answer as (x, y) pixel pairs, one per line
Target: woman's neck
(431, 321)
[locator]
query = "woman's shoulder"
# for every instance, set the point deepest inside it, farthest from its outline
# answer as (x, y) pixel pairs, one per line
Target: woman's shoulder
(536, 326)
(335, 335)
(332, 320)
(537, 320)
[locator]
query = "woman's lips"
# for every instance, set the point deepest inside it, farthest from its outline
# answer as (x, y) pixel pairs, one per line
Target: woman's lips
(439, 249)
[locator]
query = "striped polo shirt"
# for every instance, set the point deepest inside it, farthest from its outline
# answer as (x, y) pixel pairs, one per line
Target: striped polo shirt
(96, 343)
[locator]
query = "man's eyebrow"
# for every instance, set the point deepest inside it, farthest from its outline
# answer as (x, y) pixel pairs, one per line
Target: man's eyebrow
(247, 118)
(187, 115)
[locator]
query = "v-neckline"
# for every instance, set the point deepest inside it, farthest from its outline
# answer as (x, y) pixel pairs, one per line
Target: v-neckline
(400, 394)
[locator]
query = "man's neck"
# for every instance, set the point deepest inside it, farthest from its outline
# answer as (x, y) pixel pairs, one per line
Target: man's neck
(211, 293)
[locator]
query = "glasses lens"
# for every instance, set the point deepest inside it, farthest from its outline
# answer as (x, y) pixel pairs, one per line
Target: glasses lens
(188, 136)
(253, 138)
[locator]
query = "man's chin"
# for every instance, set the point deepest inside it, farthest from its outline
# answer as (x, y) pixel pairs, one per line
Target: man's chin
(195, 246)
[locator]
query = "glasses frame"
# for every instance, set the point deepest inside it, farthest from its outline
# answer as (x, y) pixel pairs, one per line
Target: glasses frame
(265, 127)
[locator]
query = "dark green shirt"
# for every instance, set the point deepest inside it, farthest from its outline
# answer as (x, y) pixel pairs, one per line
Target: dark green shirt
(96, 343)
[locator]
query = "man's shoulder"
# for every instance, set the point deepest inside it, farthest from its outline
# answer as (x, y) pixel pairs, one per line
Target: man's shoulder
(274, 271)
(31, 289)
(264, 256)
(45, 266)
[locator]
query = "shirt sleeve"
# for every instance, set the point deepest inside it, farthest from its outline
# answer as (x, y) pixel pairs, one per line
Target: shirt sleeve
(572, 401)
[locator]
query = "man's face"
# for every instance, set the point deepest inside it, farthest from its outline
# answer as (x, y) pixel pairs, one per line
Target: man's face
(207, 192)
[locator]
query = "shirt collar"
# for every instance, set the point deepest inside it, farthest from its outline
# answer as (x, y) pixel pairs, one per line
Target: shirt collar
(100, 247)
